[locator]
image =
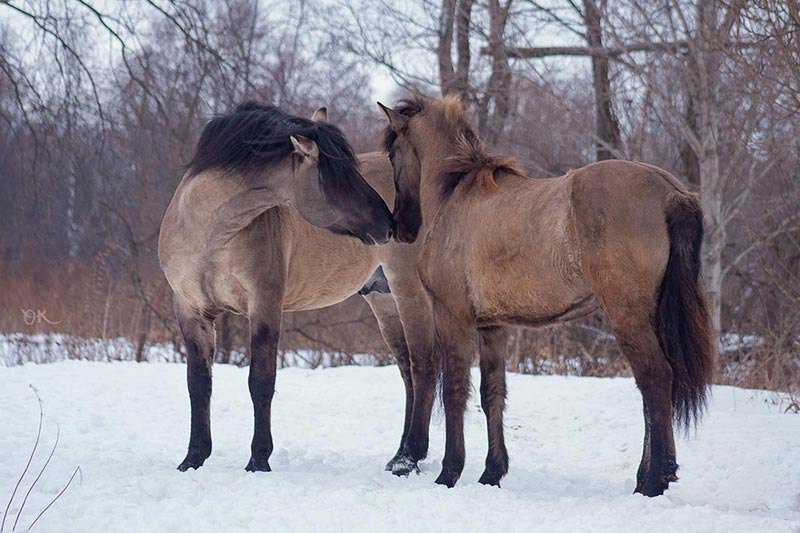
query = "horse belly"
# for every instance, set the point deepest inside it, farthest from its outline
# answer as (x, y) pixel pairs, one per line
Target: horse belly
(528, 280)
(534, 298)
(325, 269)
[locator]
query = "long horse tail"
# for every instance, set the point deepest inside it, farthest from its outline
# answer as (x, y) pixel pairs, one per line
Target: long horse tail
(683, 323)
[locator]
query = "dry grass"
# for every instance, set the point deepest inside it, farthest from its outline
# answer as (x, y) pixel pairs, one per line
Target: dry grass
(83, 306)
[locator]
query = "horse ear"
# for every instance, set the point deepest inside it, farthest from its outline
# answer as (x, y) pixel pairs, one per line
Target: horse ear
(304, 146)
(320, 115)
(397, 121)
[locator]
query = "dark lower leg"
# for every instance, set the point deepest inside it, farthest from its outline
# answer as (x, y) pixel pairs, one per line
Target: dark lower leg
(455, 395)
(405, 371)
(658, 467)
(644, 466)
(416, 317)
(263, 367)
(493, 402)
(415, 445)
(662, 467)
(198, 334)
(386, 312)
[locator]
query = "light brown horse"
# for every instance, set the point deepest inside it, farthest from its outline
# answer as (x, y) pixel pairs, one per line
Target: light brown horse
(259, 226)
(502, 249)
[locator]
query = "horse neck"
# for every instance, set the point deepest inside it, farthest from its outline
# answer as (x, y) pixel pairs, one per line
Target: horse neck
(274, 182)
(430, 186)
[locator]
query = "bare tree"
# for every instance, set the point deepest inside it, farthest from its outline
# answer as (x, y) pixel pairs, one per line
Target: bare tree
(591, 14)
(609, 140)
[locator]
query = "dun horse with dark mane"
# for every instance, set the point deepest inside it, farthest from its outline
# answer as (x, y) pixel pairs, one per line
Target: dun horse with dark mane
(261, 225)
(260, 187)
(502, 249)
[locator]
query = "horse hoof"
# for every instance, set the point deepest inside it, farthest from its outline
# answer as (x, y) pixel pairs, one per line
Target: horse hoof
(258, 465)
(653, 487)
(448, 478)
(403, 466)
(398, 460)
(650, 491)
(490, 478)
(191, 462)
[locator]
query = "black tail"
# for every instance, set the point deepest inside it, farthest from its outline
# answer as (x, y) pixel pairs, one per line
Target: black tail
(683, 325)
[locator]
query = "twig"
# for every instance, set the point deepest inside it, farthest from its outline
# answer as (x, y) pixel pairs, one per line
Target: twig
(25, 500)
(33, 451)
(77, 470)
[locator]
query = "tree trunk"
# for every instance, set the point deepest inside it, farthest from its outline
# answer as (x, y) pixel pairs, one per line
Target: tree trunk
(144, 331)
(516, 356)
(714, 238)
(690, 163)
(494, 105)
(708, 58)
(606, 125)
(458, 14)
(445, 48)
(463, 21)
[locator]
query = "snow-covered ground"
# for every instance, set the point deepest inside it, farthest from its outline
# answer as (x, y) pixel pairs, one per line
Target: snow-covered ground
(574, 445)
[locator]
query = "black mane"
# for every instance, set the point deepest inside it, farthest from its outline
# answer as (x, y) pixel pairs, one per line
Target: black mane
(255, 136)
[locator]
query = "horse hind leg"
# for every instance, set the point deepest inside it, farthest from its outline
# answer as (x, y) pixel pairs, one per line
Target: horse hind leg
(416, 316)
(197, 328)
(493, 401)
(667, 339)
(385, 310)
(653, 375)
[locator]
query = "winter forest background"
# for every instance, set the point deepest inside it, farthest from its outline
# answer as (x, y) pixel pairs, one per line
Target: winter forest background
(102, 101)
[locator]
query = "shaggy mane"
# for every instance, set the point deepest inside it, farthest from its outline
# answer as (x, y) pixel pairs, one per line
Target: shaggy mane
(254, 137)
(471, 163)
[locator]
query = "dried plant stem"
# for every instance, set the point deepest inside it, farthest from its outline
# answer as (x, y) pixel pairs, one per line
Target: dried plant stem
(30, 459)
(30, 489)
(77, 470)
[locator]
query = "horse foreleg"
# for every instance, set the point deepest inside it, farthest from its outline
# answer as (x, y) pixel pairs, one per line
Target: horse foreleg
(265, 325)
(455, 340)
(416, 317)
(493, 400)
(198, 334)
